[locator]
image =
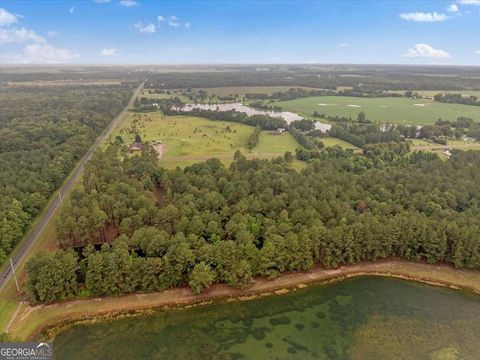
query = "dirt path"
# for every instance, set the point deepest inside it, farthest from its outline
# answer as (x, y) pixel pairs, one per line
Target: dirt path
(160, 148)
(31, 320)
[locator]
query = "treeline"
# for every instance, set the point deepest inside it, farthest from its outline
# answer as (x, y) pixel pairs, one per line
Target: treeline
(254, 137)
(457, 99)
(290, 94)
(359, 135)
(304, 140)
(367, 79)
(212, 224)
(44, 131)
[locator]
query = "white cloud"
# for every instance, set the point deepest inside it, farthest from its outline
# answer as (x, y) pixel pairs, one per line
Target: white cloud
(477, 52)
(72, 9)
(51, 33)
(426, 51)
(19, 35)
(7, 18)
(108, 52)
(173, 21)
(160, 18)
(343, 45)
(453, 8)
(45, 54)
(469, 2)
(128, 3)
(424, 17)
(145, 28)
(101, 1)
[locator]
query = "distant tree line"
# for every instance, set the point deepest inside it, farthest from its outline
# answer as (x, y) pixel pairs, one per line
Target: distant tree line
(254, 137)
(457, 99)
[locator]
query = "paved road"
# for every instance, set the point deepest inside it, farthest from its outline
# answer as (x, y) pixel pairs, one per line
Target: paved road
(47, 214)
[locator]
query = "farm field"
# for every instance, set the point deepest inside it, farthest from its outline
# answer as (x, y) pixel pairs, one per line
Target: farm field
(145, 93)
(388, 110)
(420, 144)
(188, 139)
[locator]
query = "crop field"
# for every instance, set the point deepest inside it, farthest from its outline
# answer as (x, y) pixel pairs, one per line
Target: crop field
(188, 139)
(385, 110)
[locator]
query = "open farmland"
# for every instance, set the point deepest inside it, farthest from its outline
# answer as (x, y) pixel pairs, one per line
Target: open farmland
(190, 139)
(388, 110)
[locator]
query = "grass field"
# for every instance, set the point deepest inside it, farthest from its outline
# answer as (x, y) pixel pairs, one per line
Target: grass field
(388, 110)
(146, 94)
(330, 141)
(190, 139)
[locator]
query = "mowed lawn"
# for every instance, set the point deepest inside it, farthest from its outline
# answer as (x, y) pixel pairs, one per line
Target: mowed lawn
(385, 110)
(188, 139)
(330, 141)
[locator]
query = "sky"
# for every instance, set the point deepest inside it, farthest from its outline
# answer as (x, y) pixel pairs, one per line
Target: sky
(238, 32)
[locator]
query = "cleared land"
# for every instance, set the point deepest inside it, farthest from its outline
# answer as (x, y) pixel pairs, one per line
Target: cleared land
(330, 141)
(188, 139)
(31, 320)
(387, 110)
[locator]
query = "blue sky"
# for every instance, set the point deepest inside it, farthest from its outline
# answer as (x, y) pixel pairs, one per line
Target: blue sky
(195, 32)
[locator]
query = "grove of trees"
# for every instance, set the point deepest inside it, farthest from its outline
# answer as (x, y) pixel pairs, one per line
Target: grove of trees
(44, 131)
(137, 227)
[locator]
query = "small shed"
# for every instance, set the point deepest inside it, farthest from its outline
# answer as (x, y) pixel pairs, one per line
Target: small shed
(136, 146)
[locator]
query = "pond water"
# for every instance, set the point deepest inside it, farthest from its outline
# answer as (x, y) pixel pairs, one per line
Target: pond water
(286, 115)
(363, 318)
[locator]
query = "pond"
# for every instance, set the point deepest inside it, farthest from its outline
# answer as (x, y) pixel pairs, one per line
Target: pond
(362, 318)
(286, 115)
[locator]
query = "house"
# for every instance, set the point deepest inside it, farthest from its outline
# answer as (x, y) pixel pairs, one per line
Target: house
(281, 130)
(275, 132)
(136, 146)
(467, 138)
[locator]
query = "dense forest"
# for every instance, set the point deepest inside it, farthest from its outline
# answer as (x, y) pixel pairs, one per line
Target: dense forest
(43, 133)
(138, 227)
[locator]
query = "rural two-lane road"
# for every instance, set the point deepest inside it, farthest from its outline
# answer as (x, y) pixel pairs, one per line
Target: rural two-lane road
(47, 213)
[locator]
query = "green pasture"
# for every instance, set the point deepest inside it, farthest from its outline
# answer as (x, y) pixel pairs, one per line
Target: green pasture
(189, 139)
(385, 110)
(330, 141)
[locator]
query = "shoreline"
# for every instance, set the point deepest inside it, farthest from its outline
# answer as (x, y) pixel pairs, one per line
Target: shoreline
(30, 322)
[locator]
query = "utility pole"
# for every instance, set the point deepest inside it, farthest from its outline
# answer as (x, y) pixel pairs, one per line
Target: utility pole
(14, 275)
